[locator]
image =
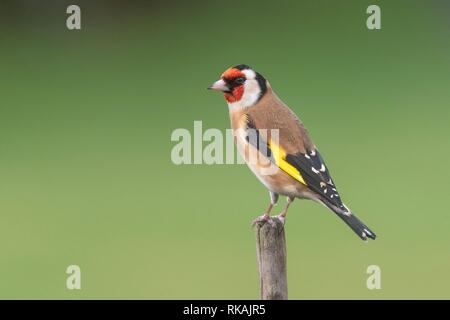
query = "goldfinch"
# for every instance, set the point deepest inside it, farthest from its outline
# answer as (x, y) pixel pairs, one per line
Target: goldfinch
(277, 147)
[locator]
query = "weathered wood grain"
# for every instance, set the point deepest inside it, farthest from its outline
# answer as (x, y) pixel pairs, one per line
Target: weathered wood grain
(271, 256)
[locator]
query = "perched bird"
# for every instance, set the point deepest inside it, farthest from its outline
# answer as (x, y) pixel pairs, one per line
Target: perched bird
(277, 147)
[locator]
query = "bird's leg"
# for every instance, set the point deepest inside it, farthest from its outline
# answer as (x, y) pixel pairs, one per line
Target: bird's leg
(266, 216)
(282, 215)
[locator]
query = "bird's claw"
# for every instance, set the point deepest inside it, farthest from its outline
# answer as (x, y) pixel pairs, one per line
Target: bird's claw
(265, 218)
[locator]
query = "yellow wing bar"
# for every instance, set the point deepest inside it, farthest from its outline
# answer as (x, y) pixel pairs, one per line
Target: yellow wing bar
(279, 156)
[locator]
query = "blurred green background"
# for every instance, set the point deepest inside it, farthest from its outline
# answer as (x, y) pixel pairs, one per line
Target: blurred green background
(85, 124)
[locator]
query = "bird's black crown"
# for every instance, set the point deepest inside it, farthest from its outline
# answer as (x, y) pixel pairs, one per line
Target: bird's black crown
(242, 67)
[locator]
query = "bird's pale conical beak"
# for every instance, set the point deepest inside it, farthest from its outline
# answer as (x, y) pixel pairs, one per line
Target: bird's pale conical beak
(219, 85)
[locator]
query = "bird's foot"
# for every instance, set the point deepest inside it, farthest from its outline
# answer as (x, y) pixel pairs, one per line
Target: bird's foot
(263, 219)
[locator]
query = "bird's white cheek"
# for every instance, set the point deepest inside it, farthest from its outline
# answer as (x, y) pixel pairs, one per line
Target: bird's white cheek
(250, 96)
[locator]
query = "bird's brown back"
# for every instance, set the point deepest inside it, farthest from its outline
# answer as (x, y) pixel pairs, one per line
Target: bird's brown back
(271, 113)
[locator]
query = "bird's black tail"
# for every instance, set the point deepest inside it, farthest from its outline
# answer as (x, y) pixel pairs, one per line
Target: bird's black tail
(353, 222)
(360, 228)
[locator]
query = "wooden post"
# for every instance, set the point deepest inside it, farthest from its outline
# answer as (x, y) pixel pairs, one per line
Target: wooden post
(271, 254)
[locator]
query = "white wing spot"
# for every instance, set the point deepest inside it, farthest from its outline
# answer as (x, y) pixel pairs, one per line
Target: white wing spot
(307, 157)
(313, 153)
(315, 170)
(322, 168)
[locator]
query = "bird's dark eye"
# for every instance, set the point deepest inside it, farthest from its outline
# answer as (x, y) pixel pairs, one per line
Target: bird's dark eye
(239, 80)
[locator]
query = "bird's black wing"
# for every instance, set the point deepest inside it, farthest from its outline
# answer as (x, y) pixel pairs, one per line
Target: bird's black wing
(307, 167)
(316, 175)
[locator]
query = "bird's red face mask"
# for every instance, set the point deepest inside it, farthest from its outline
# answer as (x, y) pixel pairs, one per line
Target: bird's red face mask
(231, 83)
